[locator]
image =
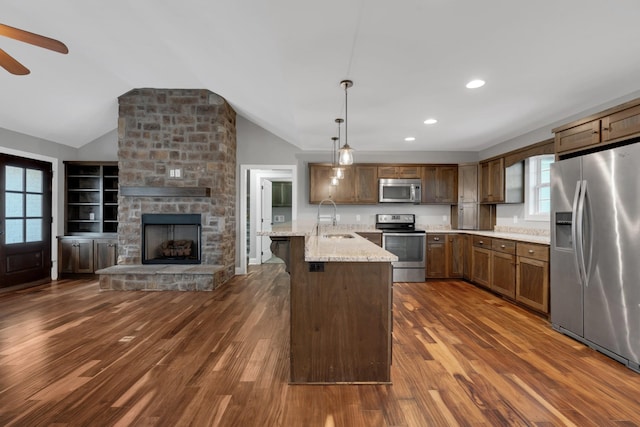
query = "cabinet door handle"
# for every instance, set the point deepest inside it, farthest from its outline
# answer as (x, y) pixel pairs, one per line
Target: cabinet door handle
(595, 132)
(530, 251)
(502, 246)
(436, 239)
(481, 242)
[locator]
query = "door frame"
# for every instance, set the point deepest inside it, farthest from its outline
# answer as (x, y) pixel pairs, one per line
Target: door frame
(55, 195)
(26, 251)
(276, 172)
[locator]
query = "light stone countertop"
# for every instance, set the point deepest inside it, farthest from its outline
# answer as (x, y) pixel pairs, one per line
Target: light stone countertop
(359, 249)
(323, 249)
(520, 234)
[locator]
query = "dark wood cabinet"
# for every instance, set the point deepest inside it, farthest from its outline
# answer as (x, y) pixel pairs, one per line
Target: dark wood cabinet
(468, 183)
(400, 171)
(105, 253)
(85, 255)
(481, 261)
(75, 256)
(503, 267)
(467, 246)
(609, 126)
(445, 256)
(532, 278)
(366, 183)
(359, 185)
(436, 263)
(492, 181)
(440, 184)
(320, 187)
(578, 137)
(455, 255)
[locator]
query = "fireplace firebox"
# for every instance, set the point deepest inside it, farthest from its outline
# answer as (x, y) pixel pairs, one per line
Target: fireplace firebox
(171, 238)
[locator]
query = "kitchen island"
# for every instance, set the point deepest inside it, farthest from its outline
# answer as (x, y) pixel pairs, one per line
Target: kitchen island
(341, 314)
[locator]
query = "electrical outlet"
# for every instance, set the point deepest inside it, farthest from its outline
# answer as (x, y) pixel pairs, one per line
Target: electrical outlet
(515, 219)
(338, 217)
(357, 218)
(444, 218)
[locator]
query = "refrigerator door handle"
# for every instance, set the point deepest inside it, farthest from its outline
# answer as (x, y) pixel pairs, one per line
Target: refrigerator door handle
(577, 242)
(586, 252)
(580, 235)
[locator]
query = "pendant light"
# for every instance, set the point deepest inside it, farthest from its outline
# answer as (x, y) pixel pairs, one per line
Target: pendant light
(346, 153)
(338, 172)
(334, 178)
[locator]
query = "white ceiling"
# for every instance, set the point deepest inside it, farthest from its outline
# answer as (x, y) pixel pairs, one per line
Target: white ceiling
(279, 64)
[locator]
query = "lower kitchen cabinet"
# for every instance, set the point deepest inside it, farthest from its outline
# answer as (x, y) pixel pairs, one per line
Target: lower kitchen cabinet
(481, 261)
(503, 267)
(436, 265)
(445, 256)
(467, 245)
(455, 255)
(79, 255)
(532, 282)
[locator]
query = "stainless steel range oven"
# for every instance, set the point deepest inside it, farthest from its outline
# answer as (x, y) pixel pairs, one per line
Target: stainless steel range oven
(400, 237)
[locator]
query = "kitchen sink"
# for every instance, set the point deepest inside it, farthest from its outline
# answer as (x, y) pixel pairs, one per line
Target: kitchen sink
(338, 236)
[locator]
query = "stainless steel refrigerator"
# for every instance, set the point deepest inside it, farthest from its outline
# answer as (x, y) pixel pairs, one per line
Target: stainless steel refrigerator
(595, 251)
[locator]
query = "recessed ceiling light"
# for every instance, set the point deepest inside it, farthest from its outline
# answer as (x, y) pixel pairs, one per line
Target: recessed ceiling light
(474, 84)
(430, 121)
(410, 138)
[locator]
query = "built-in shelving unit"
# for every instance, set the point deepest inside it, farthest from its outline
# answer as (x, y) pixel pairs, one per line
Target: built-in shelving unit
(91, 198)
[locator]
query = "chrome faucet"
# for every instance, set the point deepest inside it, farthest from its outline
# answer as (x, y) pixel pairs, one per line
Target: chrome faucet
(334, 218)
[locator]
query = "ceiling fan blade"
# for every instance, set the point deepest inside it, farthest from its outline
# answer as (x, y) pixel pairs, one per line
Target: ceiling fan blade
(11, 65)
(32, 38)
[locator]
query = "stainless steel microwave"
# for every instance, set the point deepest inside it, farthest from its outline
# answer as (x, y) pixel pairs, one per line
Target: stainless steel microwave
(400, 191)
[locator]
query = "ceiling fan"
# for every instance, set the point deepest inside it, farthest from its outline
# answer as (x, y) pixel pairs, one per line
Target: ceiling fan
(9, 63)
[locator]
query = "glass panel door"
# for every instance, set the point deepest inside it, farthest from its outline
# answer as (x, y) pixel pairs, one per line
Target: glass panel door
(25, 220)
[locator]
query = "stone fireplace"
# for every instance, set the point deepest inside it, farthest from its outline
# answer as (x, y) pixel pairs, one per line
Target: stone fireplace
(176, 156)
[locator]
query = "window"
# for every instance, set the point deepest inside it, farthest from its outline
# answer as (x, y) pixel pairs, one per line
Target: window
(538, 187)
(23, 195)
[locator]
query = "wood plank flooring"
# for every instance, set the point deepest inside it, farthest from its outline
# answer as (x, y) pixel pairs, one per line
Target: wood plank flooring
(71, 355)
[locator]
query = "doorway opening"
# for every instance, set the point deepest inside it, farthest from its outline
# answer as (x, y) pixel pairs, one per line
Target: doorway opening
(268, 197)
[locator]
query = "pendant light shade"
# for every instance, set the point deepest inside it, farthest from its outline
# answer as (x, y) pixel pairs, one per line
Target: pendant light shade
(345, 157)
(335, 178)
(338, 172)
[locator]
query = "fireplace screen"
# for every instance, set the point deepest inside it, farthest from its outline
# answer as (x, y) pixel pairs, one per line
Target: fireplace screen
(171, 238)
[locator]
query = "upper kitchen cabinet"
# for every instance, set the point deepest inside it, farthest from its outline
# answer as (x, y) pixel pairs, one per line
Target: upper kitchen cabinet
(397, 171)
(492, 181)
(468, 183)
(91, 197)
(499, 184)
(607, 127)
(281, 194)
(320, 187)
(359, 185)
(440, 184)
(366, 182)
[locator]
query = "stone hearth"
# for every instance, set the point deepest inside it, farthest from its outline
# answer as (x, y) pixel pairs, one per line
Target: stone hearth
(176, 154)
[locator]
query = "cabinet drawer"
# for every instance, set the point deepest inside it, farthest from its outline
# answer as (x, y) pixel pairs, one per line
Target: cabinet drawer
(482, 242)
(435, 238)
(532, 250)
(506, 246)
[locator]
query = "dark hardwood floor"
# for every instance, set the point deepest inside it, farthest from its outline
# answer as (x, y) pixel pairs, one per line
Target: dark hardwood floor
(71, 355)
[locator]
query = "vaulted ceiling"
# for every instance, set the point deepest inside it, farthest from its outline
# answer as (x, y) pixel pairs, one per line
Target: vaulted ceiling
(279, 63)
